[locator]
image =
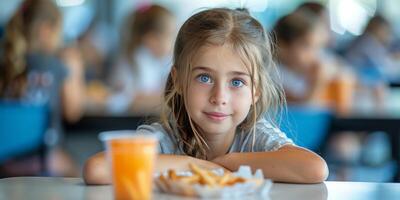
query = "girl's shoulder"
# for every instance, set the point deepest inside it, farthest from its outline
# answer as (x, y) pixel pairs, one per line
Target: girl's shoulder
(266, 137)
(265, 127)
(154, 128)
(167, 142)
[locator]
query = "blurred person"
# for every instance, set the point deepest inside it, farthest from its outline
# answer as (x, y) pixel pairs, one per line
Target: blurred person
(297, 48)
(341, 87)
(141, 72)
(370, 57)
(31, 71)
(320, 12)
(346, 148)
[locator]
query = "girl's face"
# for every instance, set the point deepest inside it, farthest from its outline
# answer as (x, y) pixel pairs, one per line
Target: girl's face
(49, 37)
(161, 43)
(219, 94)
(304, 51)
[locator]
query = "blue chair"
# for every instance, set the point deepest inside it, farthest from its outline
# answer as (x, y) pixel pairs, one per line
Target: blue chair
(22, 129)
(306, 126)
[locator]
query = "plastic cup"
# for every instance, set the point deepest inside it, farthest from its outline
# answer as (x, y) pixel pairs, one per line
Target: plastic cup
(131, 159)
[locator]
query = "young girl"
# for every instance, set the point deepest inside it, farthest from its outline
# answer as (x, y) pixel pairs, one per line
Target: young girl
(216, 103)
(142, 70)
(310, 75)
(298, 47)
(30, 70)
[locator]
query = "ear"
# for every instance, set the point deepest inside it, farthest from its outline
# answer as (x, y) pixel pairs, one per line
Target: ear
(256, 95)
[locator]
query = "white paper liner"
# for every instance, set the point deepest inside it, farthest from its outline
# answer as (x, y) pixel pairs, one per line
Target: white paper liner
(255, 185)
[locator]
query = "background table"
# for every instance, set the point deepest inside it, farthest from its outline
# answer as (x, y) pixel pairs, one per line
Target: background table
(45, 188)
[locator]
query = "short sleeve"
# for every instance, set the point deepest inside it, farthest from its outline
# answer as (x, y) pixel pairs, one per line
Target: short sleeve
(269, 138)
(167, 145)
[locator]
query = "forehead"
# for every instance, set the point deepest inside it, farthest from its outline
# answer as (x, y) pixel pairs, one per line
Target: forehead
(220, 58)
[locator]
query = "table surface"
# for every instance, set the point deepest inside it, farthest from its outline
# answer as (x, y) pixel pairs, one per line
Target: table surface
(46, 188)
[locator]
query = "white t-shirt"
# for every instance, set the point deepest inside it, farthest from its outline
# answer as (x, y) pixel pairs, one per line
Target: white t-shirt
(267, 138)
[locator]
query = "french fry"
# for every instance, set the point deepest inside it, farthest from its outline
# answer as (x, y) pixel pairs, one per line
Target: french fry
(191, 179)
(236, 180)
(172, 175)
(204, 176)
(224, 179)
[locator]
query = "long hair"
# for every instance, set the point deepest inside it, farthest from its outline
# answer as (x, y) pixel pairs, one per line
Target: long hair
(19, 34)
(246, 35)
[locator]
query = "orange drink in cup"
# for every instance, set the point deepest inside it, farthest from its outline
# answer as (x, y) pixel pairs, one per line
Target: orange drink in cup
(131, 158)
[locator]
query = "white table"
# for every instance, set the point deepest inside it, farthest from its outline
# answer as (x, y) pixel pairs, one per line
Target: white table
(45, 188)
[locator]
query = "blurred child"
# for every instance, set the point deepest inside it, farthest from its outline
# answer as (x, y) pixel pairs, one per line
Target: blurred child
(298, 46)
(342, 81)
(371, 59)
(31, 71)
(140, 75)
(219, 102)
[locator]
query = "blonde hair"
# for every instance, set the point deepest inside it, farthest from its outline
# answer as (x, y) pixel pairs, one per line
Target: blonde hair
(246, 35)
(19, 34)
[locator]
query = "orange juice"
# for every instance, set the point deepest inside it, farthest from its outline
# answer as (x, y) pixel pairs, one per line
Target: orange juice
(132, 164)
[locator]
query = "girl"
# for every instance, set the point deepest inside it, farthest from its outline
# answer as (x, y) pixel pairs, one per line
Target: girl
(299, 44)
(30, 70)
(217, 98)
(32, 39)
(142, 70)
(370, 57)
(341, 81)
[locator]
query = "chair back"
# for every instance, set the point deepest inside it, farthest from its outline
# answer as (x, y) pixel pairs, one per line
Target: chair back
(22, 128)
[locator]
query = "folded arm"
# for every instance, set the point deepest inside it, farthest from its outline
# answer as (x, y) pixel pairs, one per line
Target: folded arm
(288, 164)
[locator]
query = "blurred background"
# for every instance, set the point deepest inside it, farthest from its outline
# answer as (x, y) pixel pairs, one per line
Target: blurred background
(73, 68)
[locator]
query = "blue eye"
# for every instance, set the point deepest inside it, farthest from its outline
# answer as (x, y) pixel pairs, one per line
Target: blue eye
(204, 78)
(237, 83)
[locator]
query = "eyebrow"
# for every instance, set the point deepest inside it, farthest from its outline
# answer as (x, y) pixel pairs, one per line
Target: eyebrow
(211, 70)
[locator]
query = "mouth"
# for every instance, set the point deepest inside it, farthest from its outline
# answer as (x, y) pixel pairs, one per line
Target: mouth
(216, 116)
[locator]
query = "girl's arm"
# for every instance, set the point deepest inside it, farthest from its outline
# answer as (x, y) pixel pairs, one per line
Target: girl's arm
(288, 164)
(96, 172)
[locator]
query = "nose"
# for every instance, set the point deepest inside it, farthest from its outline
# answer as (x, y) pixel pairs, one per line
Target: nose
(219, 95)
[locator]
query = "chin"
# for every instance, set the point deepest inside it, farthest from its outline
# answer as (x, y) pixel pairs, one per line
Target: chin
(215, 128)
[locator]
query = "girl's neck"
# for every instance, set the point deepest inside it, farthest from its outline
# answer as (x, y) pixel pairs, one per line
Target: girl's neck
(218, 144)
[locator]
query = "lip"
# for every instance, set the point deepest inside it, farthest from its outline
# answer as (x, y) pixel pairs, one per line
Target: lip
(216, 116)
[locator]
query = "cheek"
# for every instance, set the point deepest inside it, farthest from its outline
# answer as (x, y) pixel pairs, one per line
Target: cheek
(241, 100)
(197, 94)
